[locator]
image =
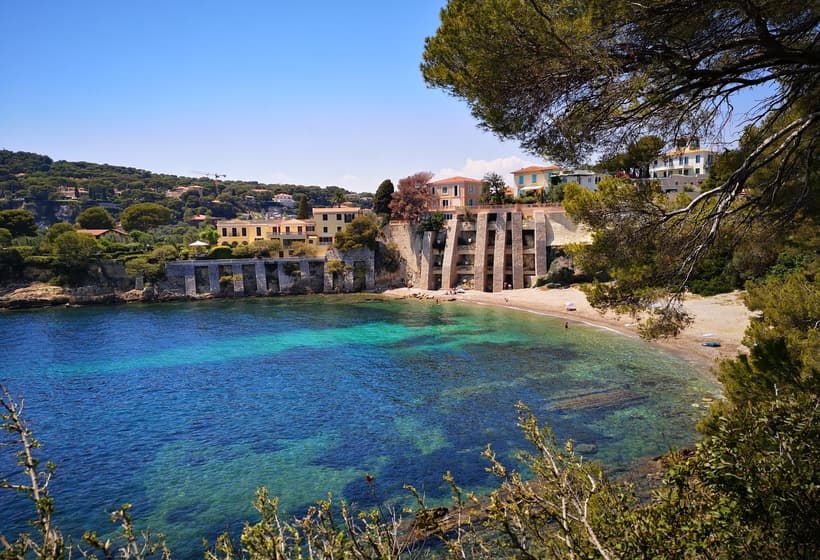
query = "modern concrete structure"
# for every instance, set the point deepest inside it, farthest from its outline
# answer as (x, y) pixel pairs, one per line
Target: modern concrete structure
(495, 248)
(249, 277)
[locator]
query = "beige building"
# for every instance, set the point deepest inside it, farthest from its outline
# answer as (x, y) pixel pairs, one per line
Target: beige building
(331, 220)
(452, 195)
(530, 180)
(288, 231)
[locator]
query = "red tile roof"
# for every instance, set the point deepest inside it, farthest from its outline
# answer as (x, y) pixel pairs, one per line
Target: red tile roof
(458, 179)
(536, 169)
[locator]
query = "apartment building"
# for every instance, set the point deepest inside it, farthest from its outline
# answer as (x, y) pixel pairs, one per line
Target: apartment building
(288, 231)
(452, 195)
(529, 180)
(686, 165)
(328, 221)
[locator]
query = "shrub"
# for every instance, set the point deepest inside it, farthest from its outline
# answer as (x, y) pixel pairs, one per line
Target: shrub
(220, 253)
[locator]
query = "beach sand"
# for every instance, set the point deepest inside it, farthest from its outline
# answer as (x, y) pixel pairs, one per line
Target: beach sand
(722, 318)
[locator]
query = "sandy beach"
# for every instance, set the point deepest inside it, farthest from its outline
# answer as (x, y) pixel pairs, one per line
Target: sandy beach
(722, 318)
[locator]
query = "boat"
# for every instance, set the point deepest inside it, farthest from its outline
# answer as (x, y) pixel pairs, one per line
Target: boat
(711, 344)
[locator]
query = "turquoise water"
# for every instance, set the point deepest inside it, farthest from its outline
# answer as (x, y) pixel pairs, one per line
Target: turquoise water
(185, 409)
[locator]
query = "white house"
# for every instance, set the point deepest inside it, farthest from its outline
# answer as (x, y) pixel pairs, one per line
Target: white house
(687, 164)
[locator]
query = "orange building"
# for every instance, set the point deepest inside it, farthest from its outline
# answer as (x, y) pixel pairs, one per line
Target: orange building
(453, 195)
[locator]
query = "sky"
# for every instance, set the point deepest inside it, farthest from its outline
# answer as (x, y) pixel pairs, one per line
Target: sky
(312, 93)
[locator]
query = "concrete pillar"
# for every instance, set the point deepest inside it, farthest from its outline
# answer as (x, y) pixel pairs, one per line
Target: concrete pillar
(480, 264)
(285, 280)
(541, 243)
(426, 276)
(190, 280)
(498, 251)
(261, 279)
(213, 278)
(238, 279)
(448, 265)
(517, 233)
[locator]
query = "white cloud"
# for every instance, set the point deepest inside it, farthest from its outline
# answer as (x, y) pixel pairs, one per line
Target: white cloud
(477, 168)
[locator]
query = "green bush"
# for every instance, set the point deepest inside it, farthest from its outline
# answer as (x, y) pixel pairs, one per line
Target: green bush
(220, 253)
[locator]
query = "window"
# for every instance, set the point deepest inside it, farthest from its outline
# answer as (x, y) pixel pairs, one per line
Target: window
(258, 231)
(444, 190)
(233, 232)
(697, 171)
(348, 218)
(224, 232)
(324, 217)
(325, 240)
(520, 179)
(448, 216)
(338, 228)
(324, 229)
(338, 217)
(287, 229)
(455, 190)
(470, 202)
(445, 203)
(310, 228)
(534, 178)
(680, 160)
(470, 189)
(685, 160)
(244, 232)
(299, 229)
(697, 158)
(432, 190)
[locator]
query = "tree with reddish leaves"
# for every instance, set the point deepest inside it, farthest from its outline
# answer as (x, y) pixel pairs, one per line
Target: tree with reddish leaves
(412, 199)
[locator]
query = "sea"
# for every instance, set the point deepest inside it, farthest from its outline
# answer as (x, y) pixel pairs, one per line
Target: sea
(184, 409)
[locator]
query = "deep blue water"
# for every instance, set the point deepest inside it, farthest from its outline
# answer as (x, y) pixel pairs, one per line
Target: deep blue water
(185, 409)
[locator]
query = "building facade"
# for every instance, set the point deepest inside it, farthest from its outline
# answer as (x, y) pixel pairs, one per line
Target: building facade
(495, 248)
(686, 165)
(329, 221)
(530, 180)
(585, 177)
(453, 195)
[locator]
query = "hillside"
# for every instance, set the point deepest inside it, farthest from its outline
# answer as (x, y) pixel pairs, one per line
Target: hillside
(58, 190)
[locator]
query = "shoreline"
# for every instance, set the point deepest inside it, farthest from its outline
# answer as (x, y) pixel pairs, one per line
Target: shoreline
(722, 318)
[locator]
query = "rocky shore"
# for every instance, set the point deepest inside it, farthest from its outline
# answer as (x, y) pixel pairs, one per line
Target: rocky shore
(45, 295)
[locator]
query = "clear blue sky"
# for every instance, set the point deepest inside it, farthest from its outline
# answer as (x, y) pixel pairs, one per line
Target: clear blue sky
(315, 93)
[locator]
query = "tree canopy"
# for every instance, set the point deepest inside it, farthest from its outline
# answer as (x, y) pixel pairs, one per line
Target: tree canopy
(412, 198)
(95, 218)
(145, 216)
(567, 78)
(361, 232)
(382, 198)
(18, 222)
(493, 189)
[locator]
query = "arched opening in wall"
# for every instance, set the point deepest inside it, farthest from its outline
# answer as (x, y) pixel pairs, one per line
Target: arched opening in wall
(202, 279)
(249, 279)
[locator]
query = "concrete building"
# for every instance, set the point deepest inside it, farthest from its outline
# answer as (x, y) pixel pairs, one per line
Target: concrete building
(452, 195)
(530, 180)
(684, 167)
(493, 249)
(585, 177)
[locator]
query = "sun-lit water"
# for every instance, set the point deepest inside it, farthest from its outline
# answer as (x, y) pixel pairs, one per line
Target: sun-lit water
(185, 409)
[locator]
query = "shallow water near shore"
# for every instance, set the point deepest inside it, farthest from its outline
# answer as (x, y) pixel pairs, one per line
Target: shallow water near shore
(185, 409)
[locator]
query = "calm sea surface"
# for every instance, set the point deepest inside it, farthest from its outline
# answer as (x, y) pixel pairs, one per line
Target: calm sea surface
(185, 409)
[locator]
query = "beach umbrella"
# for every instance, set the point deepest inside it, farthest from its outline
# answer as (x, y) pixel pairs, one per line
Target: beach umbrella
(198, 243)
